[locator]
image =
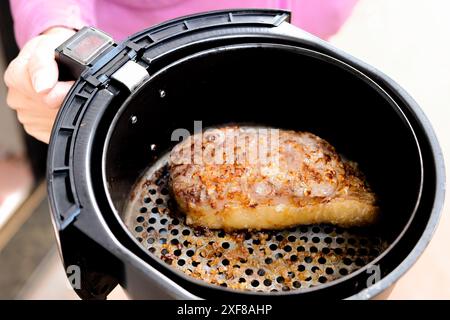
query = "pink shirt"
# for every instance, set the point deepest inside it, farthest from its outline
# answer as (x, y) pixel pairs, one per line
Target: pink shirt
(121, 18)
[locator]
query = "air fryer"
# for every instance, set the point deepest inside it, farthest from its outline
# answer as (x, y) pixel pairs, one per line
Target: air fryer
(107, 163)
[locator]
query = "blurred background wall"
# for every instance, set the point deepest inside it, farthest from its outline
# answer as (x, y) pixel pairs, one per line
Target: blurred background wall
(10, 135)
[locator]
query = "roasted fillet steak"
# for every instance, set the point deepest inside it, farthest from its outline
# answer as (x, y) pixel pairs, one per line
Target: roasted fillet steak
(259, 178)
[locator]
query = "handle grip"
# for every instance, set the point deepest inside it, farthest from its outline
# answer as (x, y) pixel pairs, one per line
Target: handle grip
(80, 52)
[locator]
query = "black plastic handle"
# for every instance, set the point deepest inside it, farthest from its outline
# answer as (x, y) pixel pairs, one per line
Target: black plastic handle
(81, 51)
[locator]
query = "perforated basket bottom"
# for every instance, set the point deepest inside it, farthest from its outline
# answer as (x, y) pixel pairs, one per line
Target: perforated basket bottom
(265, 261)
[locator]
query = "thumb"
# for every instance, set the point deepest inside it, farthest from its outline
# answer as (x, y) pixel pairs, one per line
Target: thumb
(42, 67)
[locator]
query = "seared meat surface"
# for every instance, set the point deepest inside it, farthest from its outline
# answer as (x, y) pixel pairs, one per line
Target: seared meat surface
(258, 178)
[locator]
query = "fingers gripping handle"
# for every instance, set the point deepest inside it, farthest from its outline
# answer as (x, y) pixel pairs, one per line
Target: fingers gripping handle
(80, 52)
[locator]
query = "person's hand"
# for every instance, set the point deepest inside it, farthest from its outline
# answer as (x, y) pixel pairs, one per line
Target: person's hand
(32, 80)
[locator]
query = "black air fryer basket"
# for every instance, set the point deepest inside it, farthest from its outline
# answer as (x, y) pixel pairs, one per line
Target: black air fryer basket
(107, 165)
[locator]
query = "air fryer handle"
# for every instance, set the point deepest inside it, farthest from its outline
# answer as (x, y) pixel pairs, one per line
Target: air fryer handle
(81, 51)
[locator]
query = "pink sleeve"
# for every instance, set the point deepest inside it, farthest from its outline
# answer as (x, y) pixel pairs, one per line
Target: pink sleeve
(33, 17)
(322, 18)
